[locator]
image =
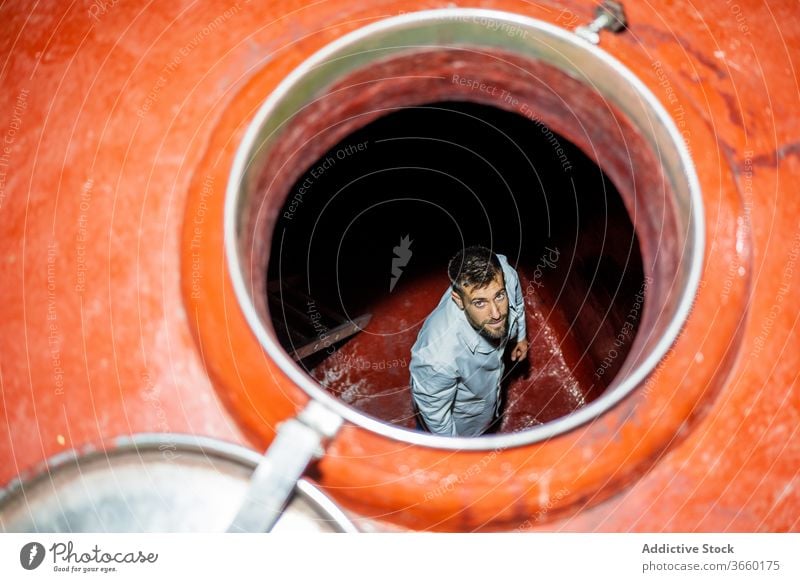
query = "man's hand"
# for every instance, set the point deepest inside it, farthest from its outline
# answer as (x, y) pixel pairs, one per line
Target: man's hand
(519, 351)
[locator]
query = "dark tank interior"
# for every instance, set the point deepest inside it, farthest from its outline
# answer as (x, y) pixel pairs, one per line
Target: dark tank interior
(359, 256)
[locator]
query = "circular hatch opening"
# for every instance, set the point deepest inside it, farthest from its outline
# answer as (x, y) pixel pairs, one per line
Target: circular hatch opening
(360, 249)
(392, 148)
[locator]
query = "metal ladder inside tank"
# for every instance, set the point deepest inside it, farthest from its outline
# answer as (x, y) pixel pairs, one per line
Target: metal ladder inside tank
(305, 325)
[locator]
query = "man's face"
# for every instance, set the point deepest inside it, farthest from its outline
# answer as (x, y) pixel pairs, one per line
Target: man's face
(486, 308)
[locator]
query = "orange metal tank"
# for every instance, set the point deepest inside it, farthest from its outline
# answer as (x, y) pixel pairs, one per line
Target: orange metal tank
(122, 312)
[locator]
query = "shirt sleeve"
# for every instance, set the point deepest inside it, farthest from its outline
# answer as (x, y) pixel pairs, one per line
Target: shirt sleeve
(434, 391)
(519, 303)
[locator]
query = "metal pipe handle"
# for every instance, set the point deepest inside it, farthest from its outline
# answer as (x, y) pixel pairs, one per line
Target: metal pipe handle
(298, 442)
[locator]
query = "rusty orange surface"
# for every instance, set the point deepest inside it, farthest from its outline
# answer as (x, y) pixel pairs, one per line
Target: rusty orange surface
(119, 123)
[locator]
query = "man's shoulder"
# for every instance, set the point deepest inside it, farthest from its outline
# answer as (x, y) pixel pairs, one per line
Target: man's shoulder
(437, 340)
(504, 262)
(508, 270)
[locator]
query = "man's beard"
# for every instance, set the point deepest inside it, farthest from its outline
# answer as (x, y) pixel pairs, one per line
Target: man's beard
(494, 335)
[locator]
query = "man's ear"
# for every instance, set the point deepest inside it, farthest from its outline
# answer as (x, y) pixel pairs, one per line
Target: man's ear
(457, 298)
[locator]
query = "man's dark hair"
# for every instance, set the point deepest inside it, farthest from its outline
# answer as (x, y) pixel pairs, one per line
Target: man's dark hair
(473, 266)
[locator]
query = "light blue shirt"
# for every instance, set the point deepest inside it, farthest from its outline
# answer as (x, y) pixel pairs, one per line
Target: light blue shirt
(456, 372)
